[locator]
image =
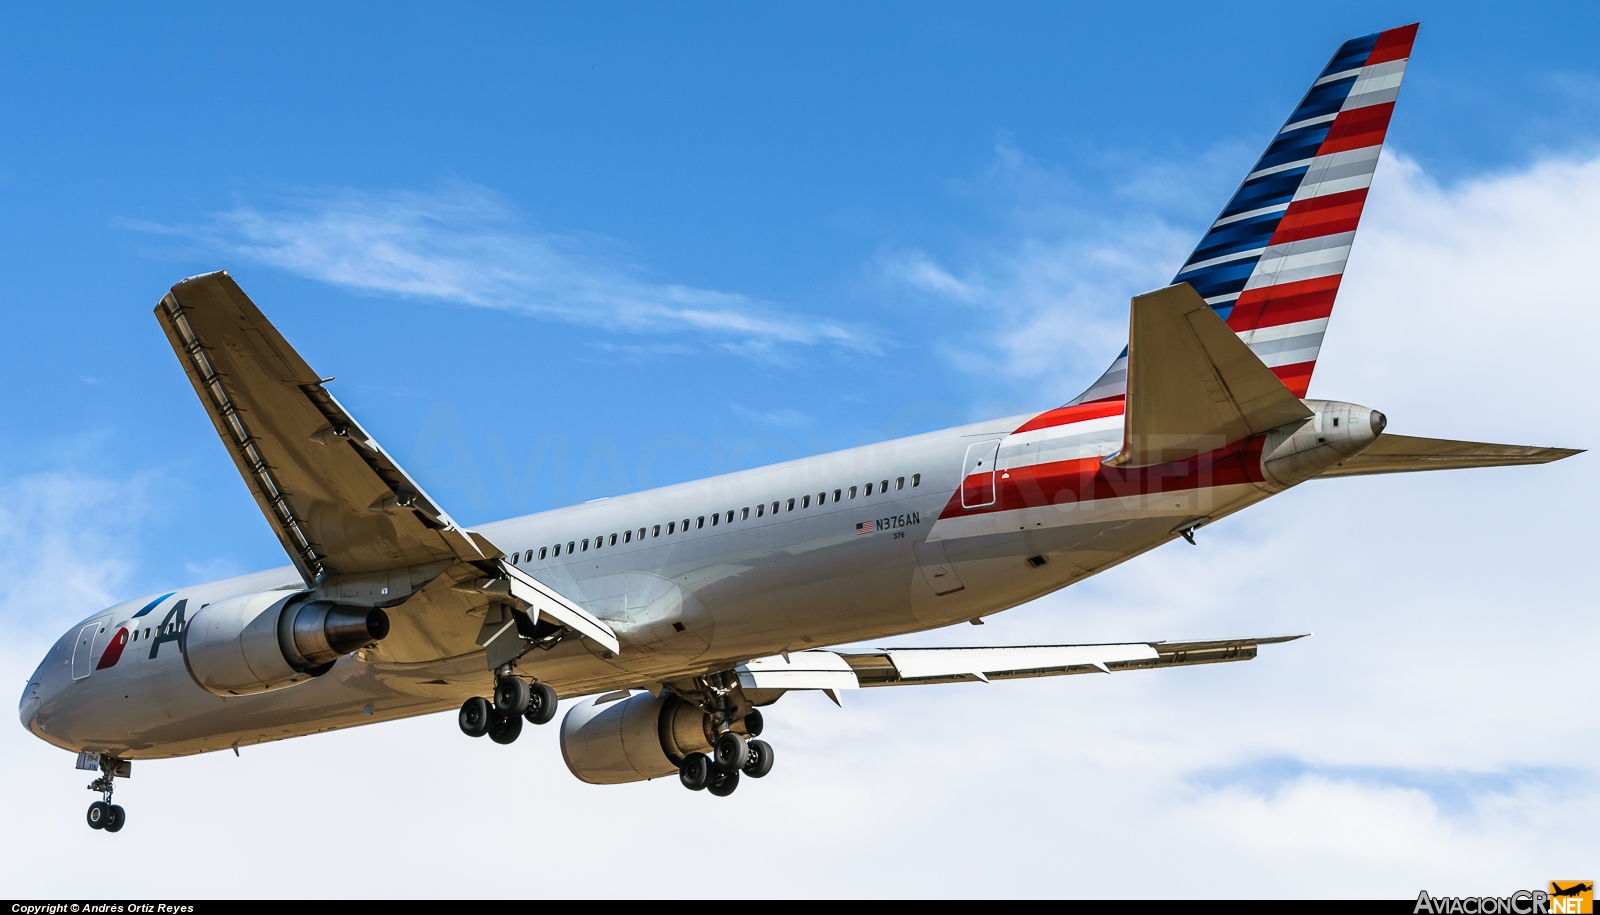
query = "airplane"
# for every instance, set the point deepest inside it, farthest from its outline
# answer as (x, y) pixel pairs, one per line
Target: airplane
(676, 614)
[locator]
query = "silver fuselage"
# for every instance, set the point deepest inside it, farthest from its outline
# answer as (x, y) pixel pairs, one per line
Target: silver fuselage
(710, 597)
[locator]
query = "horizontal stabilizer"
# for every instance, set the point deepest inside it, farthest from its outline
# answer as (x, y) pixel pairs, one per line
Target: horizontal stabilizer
(1193, 385)
(907, 666)
(1406, 454)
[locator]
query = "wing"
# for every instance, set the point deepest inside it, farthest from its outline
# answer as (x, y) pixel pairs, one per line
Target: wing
(356, 525)
(1405, 453)
(1193, 385)
(828, 670)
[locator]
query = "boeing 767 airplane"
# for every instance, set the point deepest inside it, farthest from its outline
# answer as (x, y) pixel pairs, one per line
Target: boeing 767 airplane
(682, 611)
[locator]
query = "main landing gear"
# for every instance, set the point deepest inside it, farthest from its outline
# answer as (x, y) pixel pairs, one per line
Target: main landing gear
(515, 701)
(102, 813)
(732, 753)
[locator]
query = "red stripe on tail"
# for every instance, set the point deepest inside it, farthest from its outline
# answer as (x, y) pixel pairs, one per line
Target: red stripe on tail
(1357, 128)
(1319, 216)
(1286, 303)
(1395, 44)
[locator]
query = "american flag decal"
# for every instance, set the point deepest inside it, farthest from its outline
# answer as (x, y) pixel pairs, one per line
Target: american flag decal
(865, 527)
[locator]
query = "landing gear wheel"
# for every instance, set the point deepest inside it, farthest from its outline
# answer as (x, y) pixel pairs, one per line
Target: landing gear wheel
(541, 704)
(753, 723)
(695, 772)
(506, 728)
(117, 816)
(511, 696)
(760, 759)
(724, 783)
(476, 717)
(732, 752)
(99, 813)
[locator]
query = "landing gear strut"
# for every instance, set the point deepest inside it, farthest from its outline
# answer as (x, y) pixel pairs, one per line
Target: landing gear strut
(102, 813)
(515, 701)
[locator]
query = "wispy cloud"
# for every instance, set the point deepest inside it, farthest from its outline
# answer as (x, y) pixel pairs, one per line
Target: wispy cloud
(466, 245)
(788, 417)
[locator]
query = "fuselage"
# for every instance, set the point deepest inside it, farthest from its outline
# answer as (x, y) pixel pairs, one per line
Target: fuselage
(866, 543)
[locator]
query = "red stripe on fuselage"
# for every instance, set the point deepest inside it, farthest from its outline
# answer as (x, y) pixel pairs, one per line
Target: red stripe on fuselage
(113, 652)
(1086, 479)
(1319, 216)
(1074, 413)
(1357, 128)
(1285, 303)
(1395, 44)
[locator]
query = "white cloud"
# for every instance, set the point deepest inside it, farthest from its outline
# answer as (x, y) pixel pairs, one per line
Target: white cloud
(1439, 732)
(466, 245)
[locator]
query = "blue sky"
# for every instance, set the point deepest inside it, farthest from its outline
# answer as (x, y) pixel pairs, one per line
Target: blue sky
(557, 254)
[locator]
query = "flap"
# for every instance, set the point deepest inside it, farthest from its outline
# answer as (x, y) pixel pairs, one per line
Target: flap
(540, 600)
(338, 503)
(1405, 454)
(904, 666)
(799, 670)
(1193, 385)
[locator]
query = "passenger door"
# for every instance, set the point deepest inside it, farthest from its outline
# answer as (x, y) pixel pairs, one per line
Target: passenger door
(977, 474)
(83, 651)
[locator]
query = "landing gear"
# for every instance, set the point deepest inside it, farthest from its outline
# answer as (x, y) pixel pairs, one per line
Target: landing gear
(723, 783)
(760, 759)
(695, 773)
(506, 728)
(476, 717)
(515, 701)
(541, 704)
(732, 752)
(102, 813)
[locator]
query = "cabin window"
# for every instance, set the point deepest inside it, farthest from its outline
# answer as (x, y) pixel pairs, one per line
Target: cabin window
(916, 479)
(852, 492)
(558, 549)
(761, 509)
(866, 490)
(899, 482)
(600, 541)
(744, 514)
(715, 518)
(641, 533)
(515, 557)
(883, 486)
(805, 501)
(822, 498)
(627, 536)
(656, 532)
(613, 540)
(543, 551)
(586, 544)
(791, 505)
(672, 527)
(701, 522)
(836, 495)
(774, 508)
(570, 548)
(730, 517)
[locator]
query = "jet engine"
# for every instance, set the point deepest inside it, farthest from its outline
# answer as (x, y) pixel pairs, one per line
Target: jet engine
(610, 740)
(251, 643)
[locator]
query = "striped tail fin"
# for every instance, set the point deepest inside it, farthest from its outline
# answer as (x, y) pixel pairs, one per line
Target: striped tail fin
(1271, 263)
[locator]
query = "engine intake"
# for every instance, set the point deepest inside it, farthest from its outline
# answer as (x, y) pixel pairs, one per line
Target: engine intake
(251, 643)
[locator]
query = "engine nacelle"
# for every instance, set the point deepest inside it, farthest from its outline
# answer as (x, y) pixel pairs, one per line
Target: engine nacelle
(629, 740)
(251, 643)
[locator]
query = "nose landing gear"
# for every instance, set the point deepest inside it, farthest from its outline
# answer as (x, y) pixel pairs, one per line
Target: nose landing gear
(102, 813)
(515, 701)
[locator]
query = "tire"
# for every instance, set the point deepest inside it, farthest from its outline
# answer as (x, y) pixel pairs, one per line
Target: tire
(99, 812)
(541, 704)
(695, 773)
(476, 716)
(753, 723)
(724, 783)
(511, 696)
(732, 752)
(117, 818)
(506, 729)
(760, 759)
